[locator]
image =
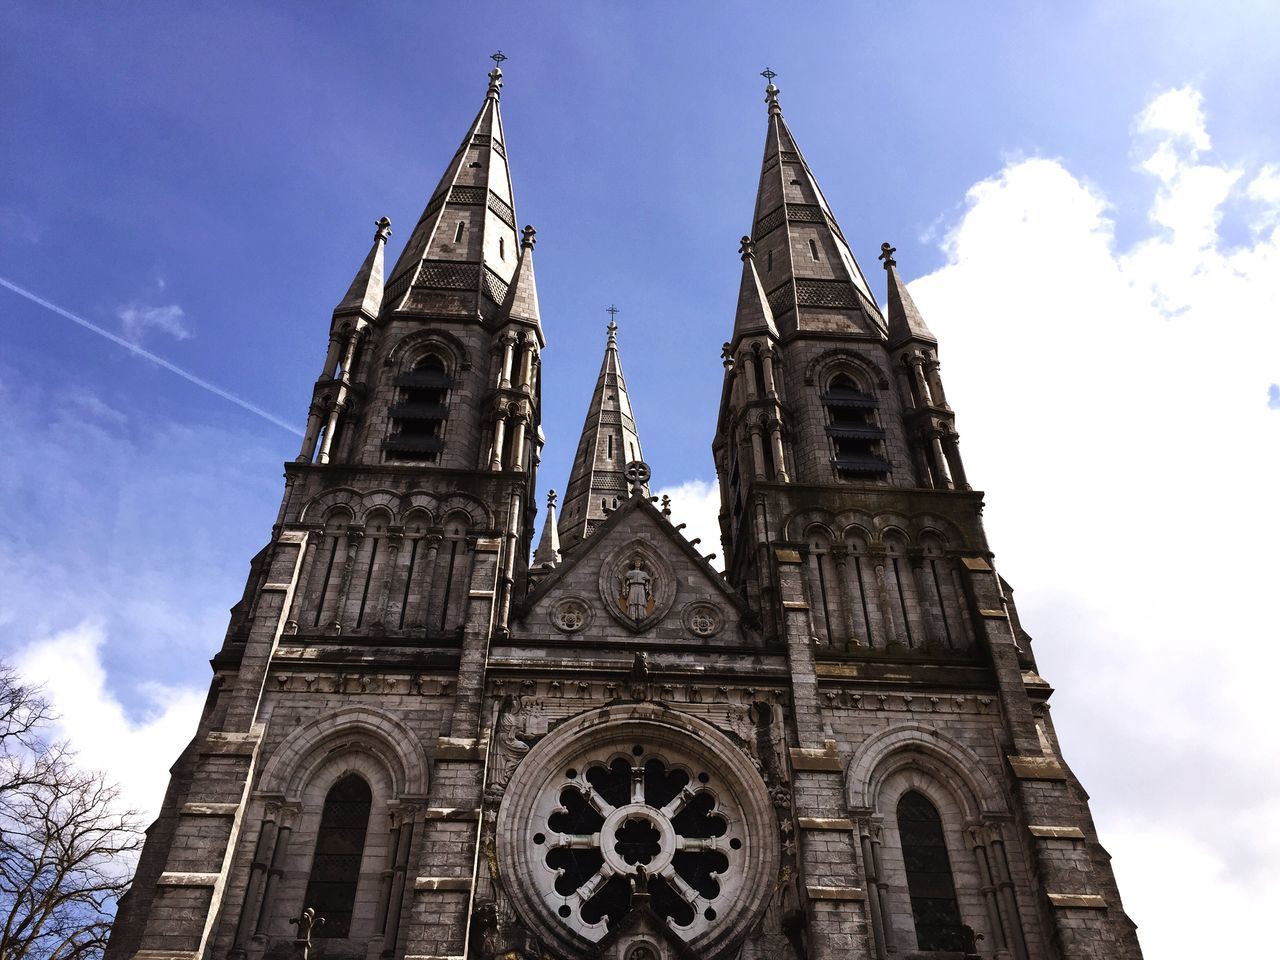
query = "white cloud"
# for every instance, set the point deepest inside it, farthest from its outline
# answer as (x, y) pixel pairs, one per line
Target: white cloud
(136, 319)
(1114, 405)
(135, 753)
(696, 503)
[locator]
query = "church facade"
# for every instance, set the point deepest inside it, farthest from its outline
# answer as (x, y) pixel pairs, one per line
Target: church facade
(421, 743)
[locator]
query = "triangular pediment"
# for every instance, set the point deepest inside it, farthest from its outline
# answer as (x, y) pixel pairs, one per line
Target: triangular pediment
(635, 577)
(642, 935)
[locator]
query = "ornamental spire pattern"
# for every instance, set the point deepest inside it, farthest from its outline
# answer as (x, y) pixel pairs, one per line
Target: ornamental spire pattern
(597, 482)
(808, 271)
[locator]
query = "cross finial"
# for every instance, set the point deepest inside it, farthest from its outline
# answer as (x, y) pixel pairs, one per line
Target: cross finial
(886, 254)
(747, 248)
(551, 499)
(613, 313)
(384, 229)
(495, 75)
(613, 323)
(771, 92)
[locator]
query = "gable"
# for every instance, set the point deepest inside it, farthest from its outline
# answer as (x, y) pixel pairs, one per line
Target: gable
(635, 578)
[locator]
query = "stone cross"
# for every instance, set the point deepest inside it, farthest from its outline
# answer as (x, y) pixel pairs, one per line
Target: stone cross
(305, 922)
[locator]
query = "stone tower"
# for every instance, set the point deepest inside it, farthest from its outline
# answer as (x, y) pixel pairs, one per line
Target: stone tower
(839, 748)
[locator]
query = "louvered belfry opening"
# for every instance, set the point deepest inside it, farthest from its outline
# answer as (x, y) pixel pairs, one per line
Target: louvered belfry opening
(419, 415)
(934, 907)
(857, 439)
(335, 870)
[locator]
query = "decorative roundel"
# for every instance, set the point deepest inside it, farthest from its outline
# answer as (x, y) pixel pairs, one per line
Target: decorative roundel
(571, 614)
(643, 800)
(637, 585)
(703, 619)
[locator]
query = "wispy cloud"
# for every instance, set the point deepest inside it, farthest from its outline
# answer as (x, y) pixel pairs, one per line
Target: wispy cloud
(142, 352)
(137, 319)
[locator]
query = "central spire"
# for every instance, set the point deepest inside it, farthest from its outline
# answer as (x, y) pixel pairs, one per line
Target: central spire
(597, 482)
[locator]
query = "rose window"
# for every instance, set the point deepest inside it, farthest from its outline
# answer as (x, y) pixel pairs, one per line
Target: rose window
(637, 805)
(639, 823)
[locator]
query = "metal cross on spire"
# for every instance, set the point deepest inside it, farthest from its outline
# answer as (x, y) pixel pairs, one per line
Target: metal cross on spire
(497, 58)
(768, 74)
(613, 323)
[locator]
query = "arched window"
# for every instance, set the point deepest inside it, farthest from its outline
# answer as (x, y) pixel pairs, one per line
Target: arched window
(335, 869)
(417, 418)
(857, 440)
(934, 907)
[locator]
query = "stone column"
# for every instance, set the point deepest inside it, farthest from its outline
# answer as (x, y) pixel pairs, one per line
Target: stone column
(330, 427)
(935, 382)
(331, 355)
(395, 537)
(1004, 883)
(877, 888)
(526, 361)
(262, 853)
(517, 441)
(770, 385)
(922, 385)
(904, 388)
(402, 843)
(508, 349)
(940, 458)
(279, 855)
(315, 414)
(928, 597)
(977, 842)
(951, 449)
(424, 599)
(354, 536)
(749, 376)
(499, 437)
(779, 458)
(840, 555)
(757, 450)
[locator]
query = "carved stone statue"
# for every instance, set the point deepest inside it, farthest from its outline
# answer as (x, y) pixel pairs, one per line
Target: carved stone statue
(635, 584)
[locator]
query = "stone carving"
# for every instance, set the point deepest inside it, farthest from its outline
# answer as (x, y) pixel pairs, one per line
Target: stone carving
(570, 615)
(512, 740)
(703, 619)
(635, 585)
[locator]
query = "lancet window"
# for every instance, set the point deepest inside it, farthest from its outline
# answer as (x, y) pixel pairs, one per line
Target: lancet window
(934, 906)
(857, 441)
(335, 868)
(418, 417)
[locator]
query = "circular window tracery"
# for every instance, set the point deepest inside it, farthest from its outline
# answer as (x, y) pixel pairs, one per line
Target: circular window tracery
(640, 822)
(678, 815)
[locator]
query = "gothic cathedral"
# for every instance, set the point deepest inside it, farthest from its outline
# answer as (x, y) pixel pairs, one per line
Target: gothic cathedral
(428, 737)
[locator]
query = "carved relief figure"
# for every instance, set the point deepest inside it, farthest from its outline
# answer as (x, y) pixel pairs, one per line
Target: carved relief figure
(513, 741)
(635, 588)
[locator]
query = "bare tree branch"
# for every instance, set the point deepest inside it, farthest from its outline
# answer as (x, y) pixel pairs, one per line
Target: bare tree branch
(66, 847)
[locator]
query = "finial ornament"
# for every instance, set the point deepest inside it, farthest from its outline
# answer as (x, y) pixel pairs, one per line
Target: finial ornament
(771, 93)
(495, 75)
(747, 248)
(551, 499)
(305, 922)
(527, 236)
(384, 229)
(637, 473)
(613, 323)
(886, 254)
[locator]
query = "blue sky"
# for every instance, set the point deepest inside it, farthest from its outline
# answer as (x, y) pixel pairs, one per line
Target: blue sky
(202, 179)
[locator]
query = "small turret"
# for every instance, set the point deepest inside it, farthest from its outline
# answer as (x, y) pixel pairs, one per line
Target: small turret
(548, 552)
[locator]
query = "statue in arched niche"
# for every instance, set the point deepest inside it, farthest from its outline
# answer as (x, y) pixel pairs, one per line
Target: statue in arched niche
(637, 590)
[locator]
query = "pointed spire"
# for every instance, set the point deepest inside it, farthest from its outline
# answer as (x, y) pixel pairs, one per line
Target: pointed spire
(548, 552)
(521, 305)
(365, 294)
(609, 442)
(804, 263)
(905, 322)
(754, 314)
(462, 254)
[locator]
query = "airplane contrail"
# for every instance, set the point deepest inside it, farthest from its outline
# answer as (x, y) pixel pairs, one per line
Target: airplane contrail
(148, 355)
